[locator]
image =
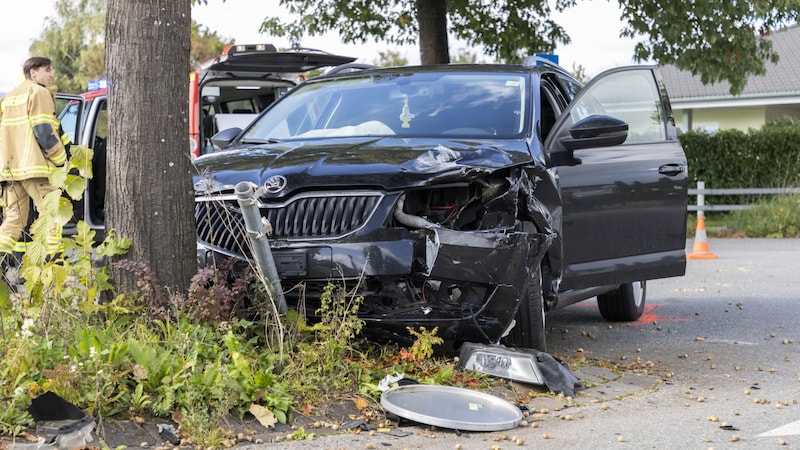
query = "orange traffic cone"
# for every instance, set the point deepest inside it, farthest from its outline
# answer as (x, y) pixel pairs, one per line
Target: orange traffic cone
(700, 249)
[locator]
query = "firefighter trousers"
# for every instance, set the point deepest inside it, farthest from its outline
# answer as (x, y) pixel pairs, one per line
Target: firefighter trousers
(17, 196)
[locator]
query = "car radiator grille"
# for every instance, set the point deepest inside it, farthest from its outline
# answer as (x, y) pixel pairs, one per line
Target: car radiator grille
(221, 225)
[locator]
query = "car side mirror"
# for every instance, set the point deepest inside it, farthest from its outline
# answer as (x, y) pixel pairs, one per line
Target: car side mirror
(596, 131)
(225, 137)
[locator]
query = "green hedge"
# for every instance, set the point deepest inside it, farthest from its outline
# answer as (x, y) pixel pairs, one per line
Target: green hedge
(764, 158)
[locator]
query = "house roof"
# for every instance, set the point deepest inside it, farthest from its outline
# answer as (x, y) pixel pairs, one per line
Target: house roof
(781, 79)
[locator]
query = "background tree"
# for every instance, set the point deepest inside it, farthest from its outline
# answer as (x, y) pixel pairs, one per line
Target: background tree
(716, 40)
(391, 58)
(579, 72)
(74, 38)
(509, 30)
(719, 41)
(205, 44)
(150, 196)
(465, 56)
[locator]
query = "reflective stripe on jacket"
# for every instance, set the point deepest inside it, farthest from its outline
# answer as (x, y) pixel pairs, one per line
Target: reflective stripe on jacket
(30, 145)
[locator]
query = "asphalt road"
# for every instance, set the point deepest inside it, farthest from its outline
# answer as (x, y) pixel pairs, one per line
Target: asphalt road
(719, 353)
(727, 332)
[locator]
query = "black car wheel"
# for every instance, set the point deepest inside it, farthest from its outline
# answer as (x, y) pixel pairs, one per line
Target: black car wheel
(624, 304)
(529, 329)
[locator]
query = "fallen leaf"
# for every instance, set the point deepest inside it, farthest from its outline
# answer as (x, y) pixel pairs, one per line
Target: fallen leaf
(360, 403)
(307, 409)
(30, 437)
(263, 415)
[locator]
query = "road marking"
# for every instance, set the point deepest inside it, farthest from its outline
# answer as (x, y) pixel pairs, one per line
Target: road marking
(789, 429)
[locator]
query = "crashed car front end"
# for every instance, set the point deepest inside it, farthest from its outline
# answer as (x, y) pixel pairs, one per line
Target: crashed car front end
(453, 256)
(431, 232)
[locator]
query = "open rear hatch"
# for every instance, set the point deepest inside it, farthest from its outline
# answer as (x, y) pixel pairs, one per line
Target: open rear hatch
(245, 60)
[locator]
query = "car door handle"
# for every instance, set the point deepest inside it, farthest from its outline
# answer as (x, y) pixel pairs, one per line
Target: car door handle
(672, 169)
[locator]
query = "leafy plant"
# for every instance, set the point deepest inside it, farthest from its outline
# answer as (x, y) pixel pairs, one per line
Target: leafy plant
(777, 217)
(252, 372)
(62, 274)
(211, 297)
(422, 348)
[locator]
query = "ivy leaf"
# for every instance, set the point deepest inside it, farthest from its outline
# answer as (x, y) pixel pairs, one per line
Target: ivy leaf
(74, 186)
(113, 246)
(82, 160)
(58, 175)
(5, 298)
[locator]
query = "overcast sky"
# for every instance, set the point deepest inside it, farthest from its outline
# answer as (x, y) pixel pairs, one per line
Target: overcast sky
(593, 25)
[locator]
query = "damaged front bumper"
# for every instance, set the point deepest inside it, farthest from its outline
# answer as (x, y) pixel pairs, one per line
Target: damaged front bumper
(466, 283)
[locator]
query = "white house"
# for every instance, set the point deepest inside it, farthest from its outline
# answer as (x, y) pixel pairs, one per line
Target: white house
(766, 98)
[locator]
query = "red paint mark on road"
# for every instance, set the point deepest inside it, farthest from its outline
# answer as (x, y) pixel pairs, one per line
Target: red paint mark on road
(649, 316)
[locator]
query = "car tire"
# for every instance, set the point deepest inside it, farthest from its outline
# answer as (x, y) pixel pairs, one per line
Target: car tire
(624, 304)
(529, 331)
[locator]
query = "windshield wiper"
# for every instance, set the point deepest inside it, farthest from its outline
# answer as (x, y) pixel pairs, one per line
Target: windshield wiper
(259, 141)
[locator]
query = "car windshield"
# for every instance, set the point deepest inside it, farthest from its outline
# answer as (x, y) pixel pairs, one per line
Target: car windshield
(477, 105)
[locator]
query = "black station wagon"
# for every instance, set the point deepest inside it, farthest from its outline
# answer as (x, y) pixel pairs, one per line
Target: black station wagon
(475, 198)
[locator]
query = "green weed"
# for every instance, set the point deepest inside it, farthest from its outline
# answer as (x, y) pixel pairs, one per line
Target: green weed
(775, 216)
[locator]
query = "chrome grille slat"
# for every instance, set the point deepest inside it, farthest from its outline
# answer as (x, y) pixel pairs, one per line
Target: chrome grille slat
(220, 223)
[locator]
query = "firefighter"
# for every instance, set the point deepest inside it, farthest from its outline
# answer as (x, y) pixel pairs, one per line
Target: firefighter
(31, 146)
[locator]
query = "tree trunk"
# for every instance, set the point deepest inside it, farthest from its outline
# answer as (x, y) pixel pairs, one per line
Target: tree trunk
(432, 20)
(149, 197)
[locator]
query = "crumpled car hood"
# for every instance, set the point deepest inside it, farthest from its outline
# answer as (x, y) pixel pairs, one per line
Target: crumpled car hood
(385, 163)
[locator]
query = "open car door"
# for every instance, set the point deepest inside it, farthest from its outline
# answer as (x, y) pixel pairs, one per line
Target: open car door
(623, 181)
(86, 123)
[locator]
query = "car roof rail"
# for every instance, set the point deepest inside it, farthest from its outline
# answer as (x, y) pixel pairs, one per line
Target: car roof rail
(536, 60)
(350, 67)
(303, 50)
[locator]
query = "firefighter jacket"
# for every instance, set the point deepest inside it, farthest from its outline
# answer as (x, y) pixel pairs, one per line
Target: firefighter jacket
(30, 142)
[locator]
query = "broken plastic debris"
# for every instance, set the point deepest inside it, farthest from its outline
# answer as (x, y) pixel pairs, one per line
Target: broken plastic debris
(388, 380)
(167, 431)
(396, 432)
(59, 423)
(358, 423)
(518, 364)
(451, 407)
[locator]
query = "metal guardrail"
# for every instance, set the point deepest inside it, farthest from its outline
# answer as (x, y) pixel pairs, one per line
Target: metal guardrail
(701, 192)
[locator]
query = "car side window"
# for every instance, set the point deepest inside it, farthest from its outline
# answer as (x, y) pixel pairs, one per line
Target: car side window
(629, 95)
(69, 119)
(569, 87)
(549, 110)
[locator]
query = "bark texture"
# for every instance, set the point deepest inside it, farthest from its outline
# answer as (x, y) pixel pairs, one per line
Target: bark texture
(432, 20)
(149, 190)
